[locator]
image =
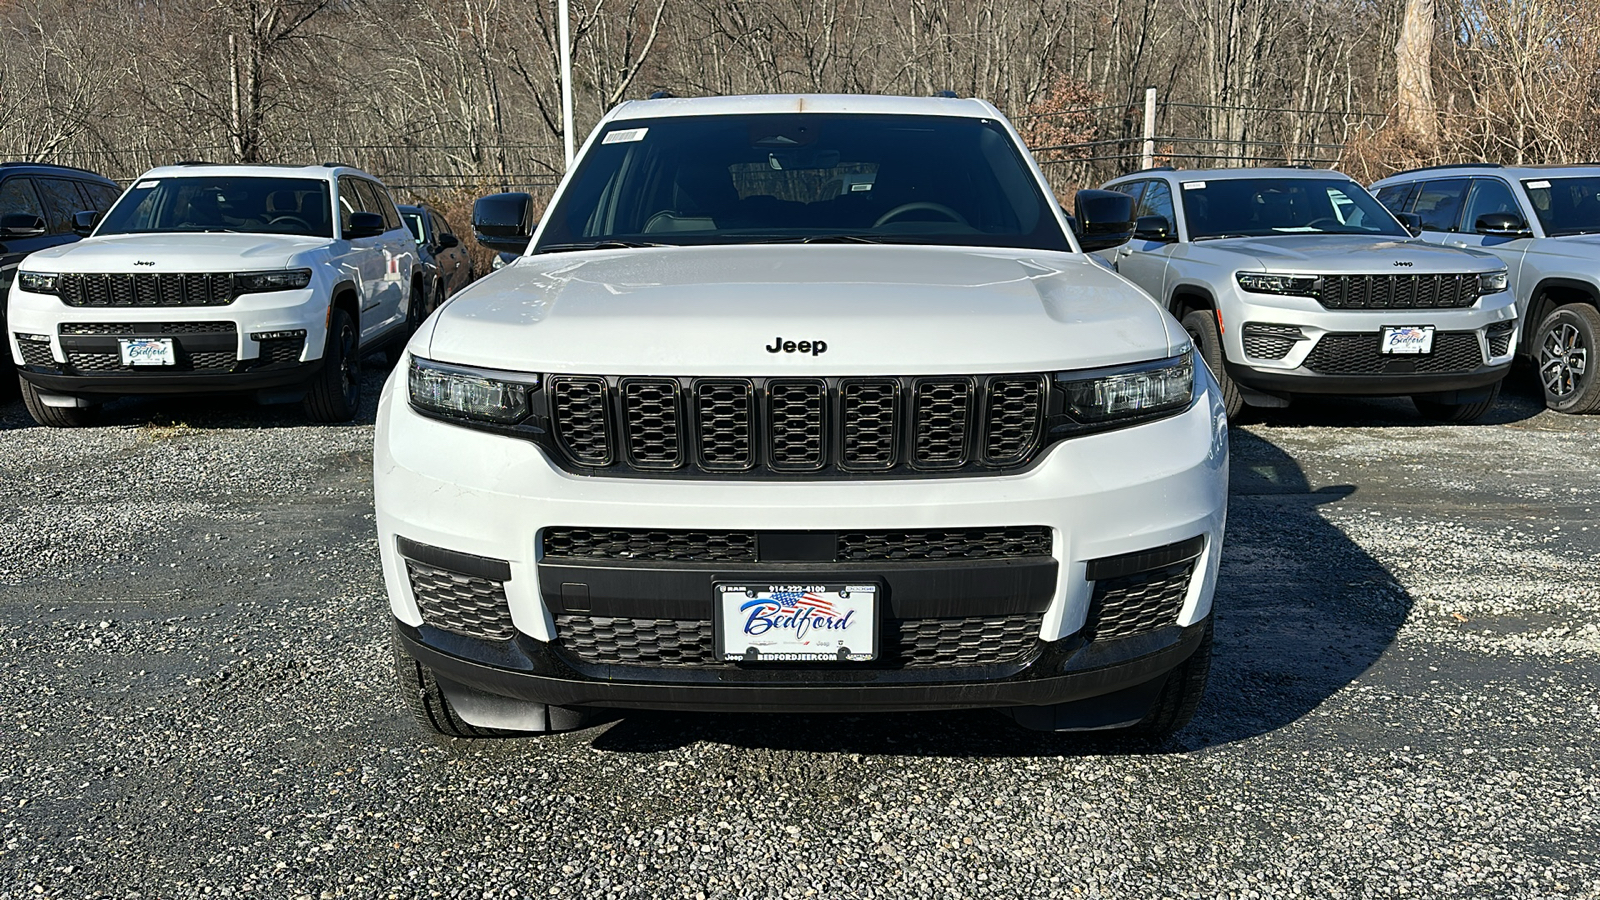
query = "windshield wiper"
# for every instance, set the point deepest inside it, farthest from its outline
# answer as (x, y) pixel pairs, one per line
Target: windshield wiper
(608, 244)
(1220, 237)
(828, 239)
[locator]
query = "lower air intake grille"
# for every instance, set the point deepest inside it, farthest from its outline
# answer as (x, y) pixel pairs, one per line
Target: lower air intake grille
(1134, 604)
(461, 604)
(1020, 542)
(1358, 354)
(661, 546)
(904, 643)
(281, 351)
(990, 543)
(1499, 335)
(1263, 341)
(37, 353)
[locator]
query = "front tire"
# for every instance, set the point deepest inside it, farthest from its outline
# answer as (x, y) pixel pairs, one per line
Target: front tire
(335, 392)
(1180, 696)
(428, 704)
(415, 313)
(55, 416)
(1564, 350)
(1458, 413)
(1202, 327)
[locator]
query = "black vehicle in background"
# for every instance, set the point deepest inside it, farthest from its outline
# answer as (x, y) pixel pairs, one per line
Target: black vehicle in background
(42, 206)
(446, 265)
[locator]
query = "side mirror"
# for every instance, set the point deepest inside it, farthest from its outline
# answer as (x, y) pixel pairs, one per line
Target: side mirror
(21, 225)
(83, 223)
(1154, 228)
(364, 225)
(1411, 221)
(1105, 219)
(1508, 225)
(448, 241)
(503, 221)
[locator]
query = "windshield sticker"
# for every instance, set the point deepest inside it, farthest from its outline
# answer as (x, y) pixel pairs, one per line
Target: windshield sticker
(625, 136)
(1193, 185)
(1538, 185)
(145, 185)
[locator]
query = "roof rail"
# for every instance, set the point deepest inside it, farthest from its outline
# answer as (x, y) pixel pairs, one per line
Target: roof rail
(19, 163)
(1160, 169)
(661, 95)
(1482, 165)
(194, 162)
(948, 95)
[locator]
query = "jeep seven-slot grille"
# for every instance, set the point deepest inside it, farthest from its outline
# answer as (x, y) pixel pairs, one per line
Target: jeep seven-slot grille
(661, 545)
(1398, 291)
(147, 289)
(902, 643)
(1361, 354)
(788, 425)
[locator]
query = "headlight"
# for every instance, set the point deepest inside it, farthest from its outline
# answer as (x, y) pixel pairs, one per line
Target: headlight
(36, 283)
(1129, 392)
(485, 395)
(1262, 283)
(266, 282)
(1493, 282)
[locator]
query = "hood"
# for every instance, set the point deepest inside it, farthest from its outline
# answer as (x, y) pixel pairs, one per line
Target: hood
(202, 252)
(1340, 254)
(734, 311)
(1575, 246)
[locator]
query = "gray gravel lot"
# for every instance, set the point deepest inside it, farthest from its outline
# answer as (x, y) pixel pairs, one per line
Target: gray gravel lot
(198, 700)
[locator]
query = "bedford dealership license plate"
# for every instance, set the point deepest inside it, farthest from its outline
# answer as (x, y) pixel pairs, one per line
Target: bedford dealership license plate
(1413, 339)
(147, 352)
(797, 622)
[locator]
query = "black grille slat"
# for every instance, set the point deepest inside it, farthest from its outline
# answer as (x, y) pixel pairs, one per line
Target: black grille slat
(724, 412)
(868, 417)
(147, 289)
(461, 604)
(655, 545)
(1499, 335)
(652, 411)
(942, 409)
(281, 351)
(1138, 603)
(797, 410)
(660, 545)
(1453, 291)
(1360, 354)
(37, 353)
(579, 409)
(988, 543)
(150, 328)
(1014, 411)
(1268, 341)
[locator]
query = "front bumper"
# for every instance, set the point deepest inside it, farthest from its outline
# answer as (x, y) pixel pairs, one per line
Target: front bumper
(484, 502)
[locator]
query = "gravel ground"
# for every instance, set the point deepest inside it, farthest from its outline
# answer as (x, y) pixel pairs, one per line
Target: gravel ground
(199, 702)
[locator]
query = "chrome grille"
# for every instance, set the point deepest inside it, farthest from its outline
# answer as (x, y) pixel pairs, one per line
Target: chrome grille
(1360, 354)
(461, 604)
(1134, 604)
(147, 289)
(1398, 291)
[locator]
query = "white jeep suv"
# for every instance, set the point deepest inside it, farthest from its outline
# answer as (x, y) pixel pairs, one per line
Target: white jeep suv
(1544, 225)
(207, 278)
(801, 403)
(1296, 281)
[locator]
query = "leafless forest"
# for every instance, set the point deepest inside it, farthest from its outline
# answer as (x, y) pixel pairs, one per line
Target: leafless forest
(447, 98)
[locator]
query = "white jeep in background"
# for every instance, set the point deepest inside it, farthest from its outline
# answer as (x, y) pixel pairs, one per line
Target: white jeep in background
(1296, 281)
(801, 403)
(218, 278)
(1544, 225)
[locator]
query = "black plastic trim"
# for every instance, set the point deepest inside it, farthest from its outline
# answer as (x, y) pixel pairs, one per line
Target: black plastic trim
(1145, 560)
(142, 383)
(484, 567)
(1303, 381)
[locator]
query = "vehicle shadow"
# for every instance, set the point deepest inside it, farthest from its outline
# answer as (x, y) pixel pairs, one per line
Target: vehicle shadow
(1301, 611)
(1521, 398)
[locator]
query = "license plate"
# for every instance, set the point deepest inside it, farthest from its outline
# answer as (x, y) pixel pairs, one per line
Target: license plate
(147, 352)
(797, 622)
(1404, 339)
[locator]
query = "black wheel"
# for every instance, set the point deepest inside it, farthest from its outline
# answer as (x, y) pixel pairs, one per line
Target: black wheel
(439, 296)
(55, 416)
(415, 313)
(428, 704)
(1457, 412)
(1179, 697)
(1202, 327)
(335, 392)
(1564, 351)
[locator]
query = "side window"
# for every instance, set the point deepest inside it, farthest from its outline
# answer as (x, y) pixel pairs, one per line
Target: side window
(1395, 196)
(1157, 201)
(1439, 203)
(1132, 189)
(1489, 195)
(350, 201)
(103, 196)
(17, 198)
(440, 226)
(61, 200)
(382, 204)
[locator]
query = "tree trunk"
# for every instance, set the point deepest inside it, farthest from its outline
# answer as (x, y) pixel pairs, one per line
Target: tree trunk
(1418, 118)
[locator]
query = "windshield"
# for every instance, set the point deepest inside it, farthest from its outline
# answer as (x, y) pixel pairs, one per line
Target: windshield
(1566, 205)
(1256, 207)
(811, 176)
(222, 203)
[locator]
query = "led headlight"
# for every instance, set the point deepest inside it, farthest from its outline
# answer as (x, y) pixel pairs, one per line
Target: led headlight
(36, 282)
(1263, 283)
(266, 282)
(1128, 392)
(1492, 282)
(485, 395)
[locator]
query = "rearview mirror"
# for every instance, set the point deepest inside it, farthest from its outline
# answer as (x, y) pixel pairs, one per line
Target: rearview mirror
(21, 225)
(364, 225)
(1104, 219)
(503, 221)
(1502, 225)
(83, 223)
(1411, 221)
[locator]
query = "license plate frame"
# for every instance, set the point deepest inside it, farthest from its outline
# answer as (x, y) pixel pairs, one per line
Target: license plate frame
(1406, 340)
(796, 622)
(151, 351)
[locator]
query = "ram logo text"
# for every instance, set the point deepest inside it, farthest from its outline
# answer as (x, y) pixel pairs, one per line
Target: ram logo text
(815, 348)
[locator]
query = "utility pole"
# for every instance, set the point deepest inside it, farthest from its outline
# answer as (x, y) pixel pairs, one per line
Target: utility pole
(1147, 159)
(566, 79)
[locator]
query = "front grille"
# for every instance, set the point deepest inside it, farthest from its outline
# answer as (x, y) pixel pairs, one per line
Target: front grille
(36, 353)
(147, 289)
(1137, 603)
(902, 643)
(1022, 542)
(1264, 341)
(147, 328)
(205, 361)
(1499, 335)
(1398, 291)
(1359, 354)
(461, 604)
(777, 426)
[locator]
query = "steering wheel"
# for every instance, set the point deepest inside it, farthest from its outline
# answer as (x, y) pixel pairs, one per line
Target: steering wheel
(903, 208)
(293, 220)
